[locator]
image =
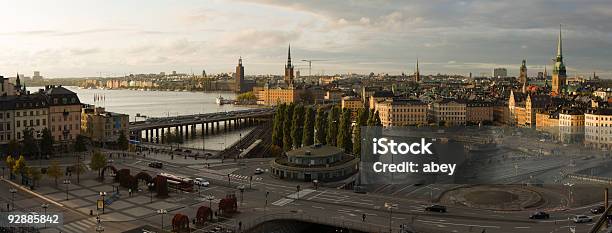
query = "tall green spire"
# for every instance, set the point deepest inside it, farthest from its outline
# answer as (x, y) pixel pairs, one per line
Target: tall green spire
(559, 66)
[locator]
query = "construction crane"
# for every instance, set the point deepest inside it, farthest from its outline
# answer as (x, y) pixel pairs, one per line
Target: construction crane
(310, 65)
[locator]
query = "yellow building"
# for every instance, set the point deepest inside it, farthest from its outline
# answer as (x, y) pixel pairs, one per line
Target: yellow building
(102, 126)
(402, 112)
(571, 125)
(449, 112)
(273, 96)
(64, 114)
(352, 103)
(598, 128)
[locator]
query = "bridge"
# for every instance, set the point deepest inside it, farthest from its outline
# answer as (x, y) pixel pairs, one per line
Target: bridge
(153, 129)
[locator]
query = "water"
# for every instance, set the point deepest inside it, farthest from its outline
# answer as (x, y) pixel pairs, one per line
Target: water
(163, 104)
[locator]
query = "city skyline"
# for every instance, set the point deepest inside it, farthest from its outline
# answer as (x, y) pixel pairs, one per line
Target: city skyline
(382, 37)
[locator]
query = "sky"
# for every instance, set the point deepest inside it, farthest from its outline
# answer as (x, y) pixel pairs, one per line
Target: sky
(82, 38)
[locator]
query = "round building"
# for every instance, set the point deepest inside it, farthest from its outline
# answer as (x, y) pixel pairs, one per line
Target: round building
(316, 162)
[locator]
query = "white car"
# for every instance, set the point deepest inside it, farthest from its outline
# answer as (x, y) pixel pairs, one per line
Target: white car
(581, 219)
(201, 182)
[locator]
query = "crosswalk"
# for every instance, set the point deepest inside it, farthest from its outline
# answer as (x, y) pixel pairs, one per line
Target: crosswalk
(243, 177)
(84, 225)
(290, 198)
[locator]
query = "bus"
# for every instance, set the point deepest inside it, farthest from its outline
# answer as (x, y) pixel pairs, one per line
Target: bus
(178, 182)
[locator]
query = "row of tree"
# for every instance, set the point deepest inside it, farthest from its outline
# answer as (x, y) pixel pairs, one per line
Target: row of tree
(295, 126)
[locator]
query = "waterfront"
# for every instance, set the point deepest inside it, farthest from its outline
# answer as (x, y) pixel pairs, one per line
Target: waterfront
(163, 104)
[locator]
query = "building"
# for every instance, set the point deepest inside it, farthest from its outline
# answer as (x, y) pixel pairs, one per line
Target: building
(64, 114)
(317, 162)
(548, 121)
(417, 74)
(352, 103)
(571, 125)
(274, 96)
(500, 73)
(334, 94)
(30, 112)
(598, 128)
(603, 94)
(402, 112)
(289, 69)
(379, 96)
(523, 79)
(478, 112)
(239, 77)
(559, 74)
(102, 126)
(6, 88)
(449, 112)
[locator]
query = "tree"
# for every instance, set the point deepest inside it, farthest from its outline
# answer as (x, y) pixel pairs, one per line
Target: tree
(98, 161)
(287, 124)
(54, 171)
(377, 121)
(362, 120)
(122, 141)
(10, 163)
(277, 126)
(79, 144)
(13, 147)
(19, 165)
(320, 126)
(247, 98)
(297, 126)
(332, 126)
(29, 143)
(343, 140)
(309, 123)
(34, 173)
(46, 142)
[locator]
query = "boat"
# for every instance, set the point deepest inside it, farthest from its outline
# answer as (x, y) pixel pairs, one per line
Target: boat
(222, 101)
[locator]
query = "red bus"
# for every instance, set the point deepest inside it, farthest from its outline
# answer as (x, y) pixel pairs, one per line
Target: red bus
(178, 182)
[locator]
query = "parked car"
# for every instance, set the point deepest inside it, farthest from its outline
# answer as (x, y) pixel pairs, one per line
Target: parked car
(581, 219)
(598, 210)
(201, 182)
(359, 189)
(156, 165)
(258, 171)
(539, 215)
(436, 208)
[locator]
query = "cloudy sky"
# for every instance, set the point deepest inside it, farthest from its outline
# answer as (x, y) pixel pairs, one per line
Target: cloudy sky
(117, 37)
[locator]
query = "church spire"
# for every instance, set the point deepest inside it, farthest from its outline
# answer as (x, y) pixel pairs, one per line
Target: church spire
(289, 56)
(559, 45)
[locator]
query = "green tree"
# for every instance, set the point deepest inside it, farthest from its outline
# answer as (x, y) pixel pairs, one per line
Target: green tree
(247, 98)
(54, 171)
(362, 120)
(19, 165)
(297, 126)
(321, 126)
(35, 174)
(122, 141)
(309, 123)
(371, 117)
(98, 161)
(79, 144)
(287, 120)
(277, 126)
(377, 121)
(46, 142)
(10, 163)
(333, 119)
(343, 140)
(29, 143)
(13, 147)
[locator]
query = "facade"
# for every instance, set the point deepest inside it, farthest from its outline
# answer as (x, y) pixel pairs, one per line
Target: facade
(450, 112)
(316, 162)
(102, 126)
(478, 112)
(239, 77)
(64, 114)
(598, 128)
(30, 112)
(523, 73)
(352, 103)
(571, 125)
(6, 88)
(274, 96)
(6, 119)
(333, 95)
(559, 74)
(402, 112)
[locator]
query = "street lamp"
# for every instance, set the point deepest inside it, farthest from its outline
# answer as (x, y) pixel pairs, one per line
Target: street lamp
(390, 206)
(45, 206)
(241, 188)
(102, 195)
(162, 212)
(13, 191)
(151, 185)
(67, 182)
(569, 193)
(210, 198)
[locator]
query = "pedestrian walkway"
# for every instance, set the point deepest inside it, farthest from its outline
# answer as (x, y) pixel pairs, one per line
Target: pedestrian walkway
(243, 177)
(292, 197)
(84, 225)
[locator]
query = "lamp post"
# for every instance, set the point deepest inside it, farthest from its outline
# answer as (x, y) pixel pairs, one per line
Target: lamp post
(45, 206)
(390, 206)
(13, 191)
(151, 185)
(241, 188)
(162, 212)
(67, 182)
(210, 198)
(569, 193)
(102, 195)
